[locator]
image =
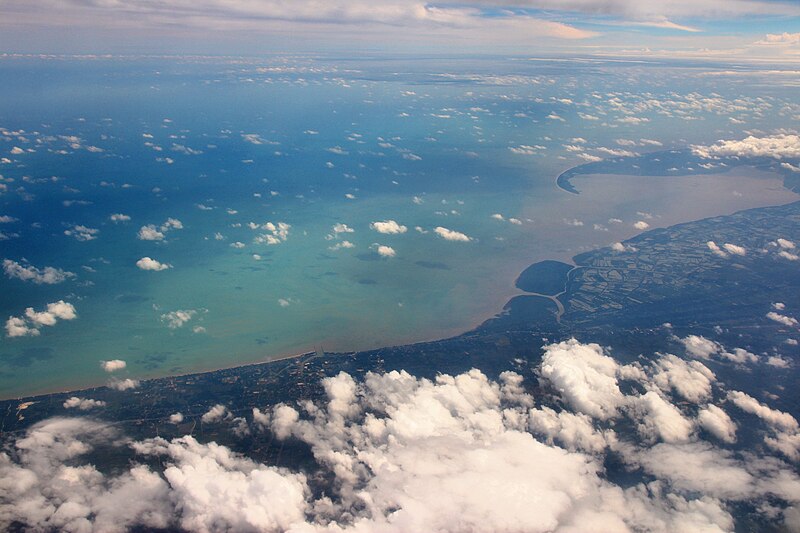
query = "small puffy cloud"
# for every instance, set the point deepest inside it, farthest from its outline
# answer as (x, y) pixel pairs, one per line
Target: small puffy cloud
(261, 419)
(276, 232)
(699, 346)
(82, 233)
(123, 384)
(176, 418)
(337, 231)
(782, 319)
(584, 376)
(385, 251)
(590, 158)
(620, 247)
(785, 244)
(776, 146)
(341, 245)
(253, 138)
(147, 263)
(689, 379)
(616, 153)
(717, 422)
(773, 417)
(575, 432)
(149, 233)
(59, 309)
(715, 249)
(778, 361)
(83, 404)
(633, 120)
(388, 227)
(33, 321)
(734, 249)
(18, 327)
(176, 319)
(119, 217)
(215, 414)
(171, 223)
(740, 355)
(341, 228)
(526, 149)
(641, 225)
(41, 318)
(27, 272)
(659, 419)
(113, 365)
(185, 149)
(451, 235)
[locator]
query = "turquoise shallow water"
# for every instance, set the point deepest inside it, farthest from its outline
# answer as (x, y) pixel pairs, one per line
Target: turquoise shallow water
(220, 144)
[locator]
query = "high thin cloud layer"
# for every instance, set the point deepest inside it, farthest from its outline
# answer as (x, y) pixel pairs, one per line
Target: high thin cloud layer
(647, 27)
(458, 453)
(218, 14)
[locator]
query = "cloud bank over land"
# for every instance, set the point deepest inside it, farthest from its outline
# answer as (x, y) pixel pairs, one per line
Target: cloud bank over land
(456, 453)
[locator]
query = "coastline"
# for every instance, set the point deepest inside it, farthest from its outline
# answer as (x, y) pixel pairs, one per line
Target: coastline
(475, 322)
(313, 354)
(494, 310)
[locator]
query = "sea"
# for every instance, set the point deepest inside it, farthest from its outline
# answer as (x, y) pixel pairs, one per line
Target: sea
(292, 203)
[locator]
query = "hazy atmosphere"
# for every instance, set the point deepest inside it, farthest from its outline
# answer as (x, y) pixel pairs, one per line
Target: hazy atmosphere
(399, 266)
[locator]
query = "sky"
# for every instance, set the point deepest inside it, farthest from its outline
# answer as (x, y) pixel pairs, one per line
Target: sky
(758, 29)
(300, 160)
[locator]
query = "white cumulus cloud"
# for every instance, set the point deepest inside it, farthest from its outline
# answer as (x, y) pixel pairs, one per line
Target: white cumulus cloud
(388, 227)
(147, 263)
(32, 321)
(451, 235)
(27, 272)
(113, 365)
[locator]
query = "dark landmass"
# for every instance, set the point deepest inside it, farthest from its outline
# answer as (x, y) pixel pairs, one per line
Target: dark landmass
(545, 277)
(673, 163)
